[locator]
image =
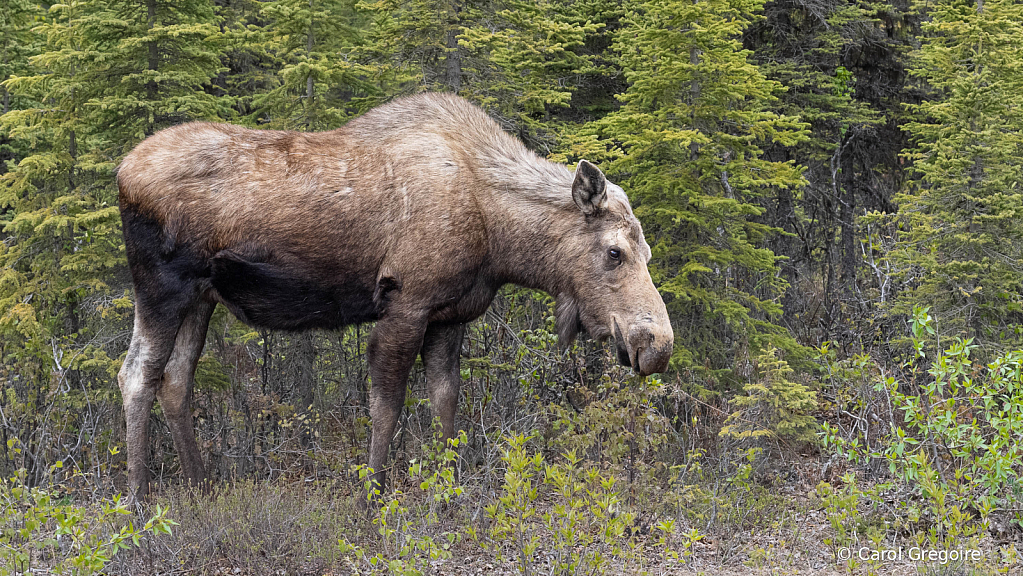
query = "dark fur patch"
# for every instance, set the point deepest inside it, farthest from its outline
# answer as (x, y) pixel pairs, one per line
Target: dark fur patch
(566, 319)
(271, 296)
(621, 349)
(168, 277)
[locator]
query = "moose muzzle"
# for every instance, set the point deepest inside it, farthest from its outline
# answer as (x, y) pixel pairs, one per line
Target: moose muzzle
(648, 345)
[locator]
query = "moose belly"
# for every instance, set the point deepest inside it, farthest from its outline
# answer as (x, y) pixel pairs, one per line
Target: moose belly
(271, 296)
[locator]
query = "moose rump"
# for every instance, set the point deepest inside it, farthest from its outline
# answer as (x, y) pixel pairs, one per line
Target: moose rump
(411, 216)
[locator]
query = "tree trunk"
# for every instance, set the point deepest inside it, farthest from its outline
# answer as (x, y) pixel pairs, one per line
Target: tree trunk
(847, 221)
(4, 156)
(154, 61)
(787, 246)
(453, 58)
(72, 150)
(694, 91)
(305, 377)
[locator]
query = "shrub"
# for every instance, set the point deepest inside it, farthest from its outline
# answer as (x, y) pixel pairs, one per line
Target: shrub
(40, 530)
(954, 438)
(406, 522)
(566, 518)
(773, 405)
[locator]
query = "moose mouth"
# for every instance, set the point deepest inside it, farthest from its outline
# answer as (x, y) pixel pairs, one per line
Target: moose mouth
(622, 348)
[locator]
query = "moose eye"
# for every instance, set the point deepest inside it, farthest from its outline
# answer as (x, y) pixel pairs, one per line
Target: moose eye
(614, 253)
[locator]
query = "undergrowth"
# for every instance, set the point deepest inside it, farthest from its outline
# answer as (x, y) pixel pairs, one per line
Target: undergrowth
(600, 480)
(46, 531)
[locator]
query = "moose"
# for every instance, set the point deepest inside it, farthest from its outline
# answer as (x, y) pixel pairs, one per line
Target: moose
(411, 216)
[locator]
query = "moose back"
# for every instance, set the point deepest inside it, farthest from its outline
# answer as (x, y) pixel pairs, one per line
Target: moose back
(411, 216)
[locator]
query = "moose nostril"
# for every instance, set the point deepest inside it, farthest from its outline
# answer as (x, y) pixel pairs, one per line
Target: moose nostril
(640, 336)
(653, 360)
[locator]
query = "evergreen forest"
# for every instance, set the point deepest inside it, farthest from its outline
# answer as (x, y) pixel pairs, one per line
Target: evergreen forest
(829, 189)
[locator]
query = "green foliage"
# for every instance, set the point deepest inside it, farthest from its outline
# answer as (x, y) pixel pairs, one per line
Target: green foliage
(957, 443)
(436, 469)
(211, 375)
(689, 137)
(803, 51)
(850, 529)
(842, 64)
(516, 507)
(749, 134)
(526, 60)
(317, 83)
(148, 65)
(403, 551)
(842, 508)
(17, 44)
(619, 418)
(40, 530)
(574, 515)
(961, 240)
(585, 508)
(411, 46)
(106, 75)
(773, 406)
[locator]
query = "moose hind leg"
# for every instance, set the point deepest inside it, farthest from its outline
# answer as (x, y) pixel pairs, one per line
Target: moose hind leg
(175, 391)
(442, 347)
(152, 342)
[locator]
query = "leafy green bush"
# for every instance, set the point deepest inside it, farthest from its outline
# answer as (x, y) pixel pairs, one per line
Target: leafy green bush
(849, 527)
(406, 523)
(616, 422)
(40, 530)
(954, 438)
(566, 518)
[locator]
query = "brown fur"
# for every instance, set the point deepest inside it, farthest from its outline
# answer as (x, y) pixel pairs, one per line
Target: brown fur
(411, 216)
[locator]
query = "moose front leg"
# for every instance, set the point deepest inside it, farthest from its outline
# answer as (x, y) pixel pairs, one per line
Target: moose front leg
(392, 350)
(442, 346)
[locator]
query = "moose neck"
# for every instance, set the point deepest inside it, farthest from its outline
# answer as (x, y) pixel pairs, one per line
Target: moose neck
(528, 223)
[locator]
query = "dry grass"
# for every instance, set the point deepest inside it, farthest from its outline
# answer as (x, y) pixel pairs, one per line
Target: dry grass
(250, 528)
(293, 528)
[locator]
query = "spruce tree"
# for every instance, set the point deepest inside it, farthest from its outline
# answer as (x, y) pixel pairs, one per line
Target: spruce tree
(690, 132)
(62, 235)
(249, 69)
(528, 60)
(17, 44)
(961, 248)
(412, 45)
(108, 75)
(316, 83)
(808, 50)
(153, 65)
(772, 406)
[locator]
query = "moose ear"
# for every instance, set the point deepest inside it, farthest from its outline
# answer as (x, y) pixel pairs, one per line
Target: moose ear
(589, 189)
